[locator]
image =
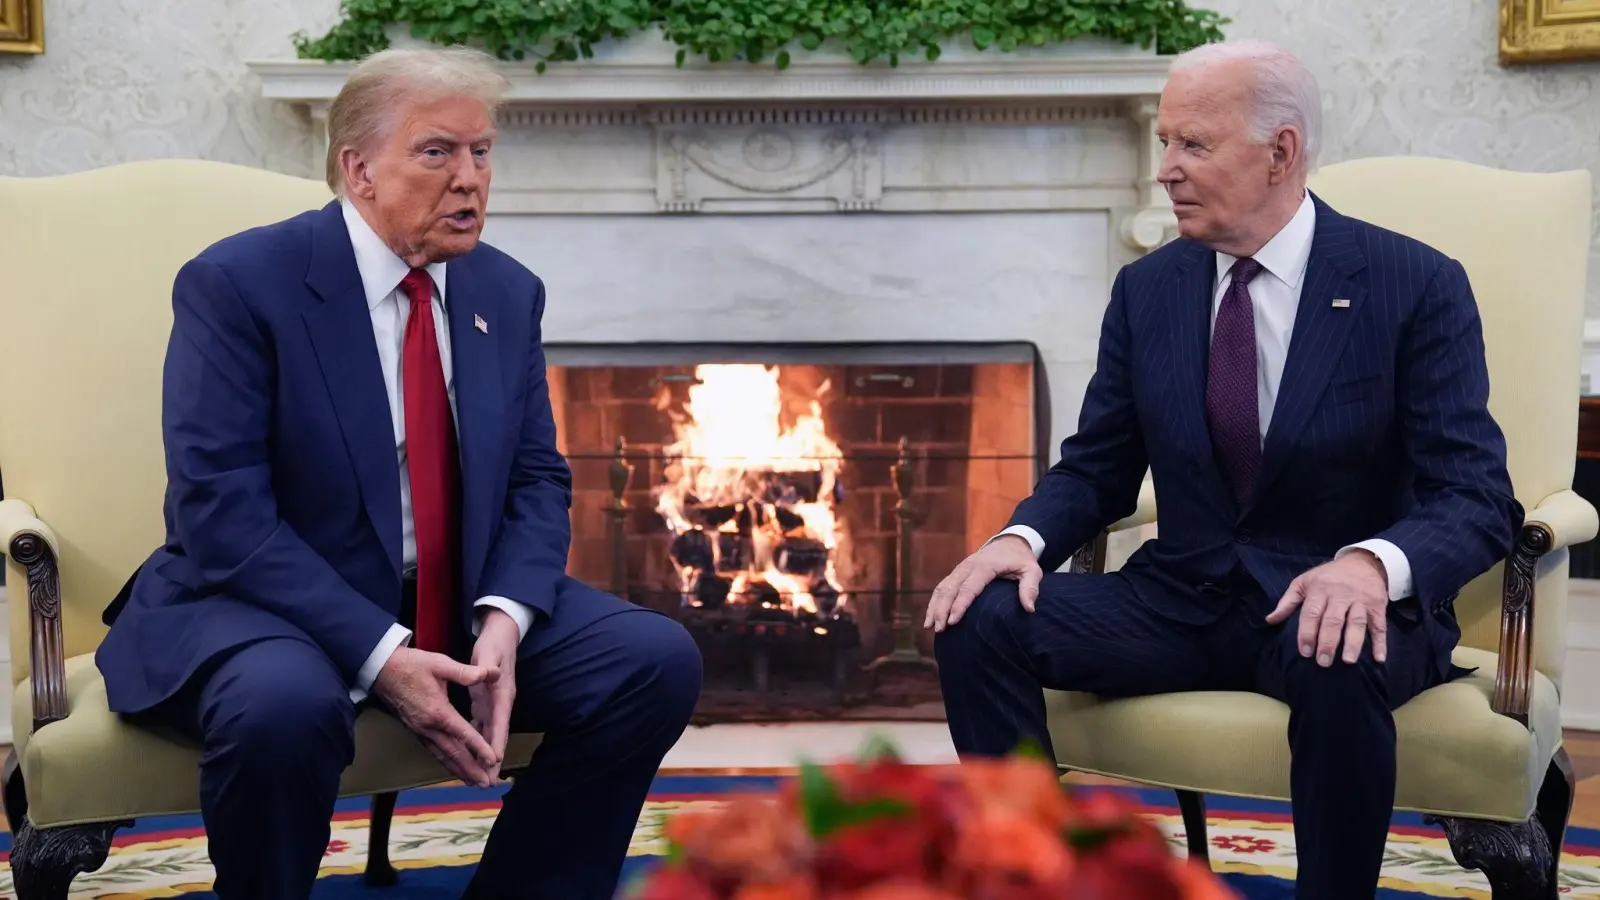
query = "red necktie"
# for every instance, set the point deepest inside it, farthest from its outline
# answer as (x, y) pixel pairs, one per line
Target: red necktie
(434, 469)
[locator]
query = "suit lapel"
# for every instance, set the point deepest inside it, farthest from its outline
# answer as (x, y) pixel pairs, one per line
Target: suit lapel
(347, 352)
(480, 408)
(1192, 291)
(1321, 331)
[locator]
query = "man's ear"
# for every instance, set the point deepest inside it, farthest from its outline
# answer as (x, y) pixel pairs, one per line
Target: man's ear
(357, 173)
(1287, 149)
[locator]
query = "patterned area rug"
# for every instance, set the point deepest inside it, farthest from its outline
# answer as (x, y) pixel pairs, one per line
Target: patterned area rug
(439, 832)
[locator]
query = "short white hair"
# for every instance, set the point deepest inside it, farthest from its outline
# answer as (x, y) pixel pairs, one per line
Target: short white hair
(363, 112)
(1286, 92)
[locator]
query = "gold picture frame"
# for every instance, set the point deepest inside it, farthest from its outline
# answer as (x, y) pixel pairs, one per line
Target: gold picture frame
(21, 26)
(1549, 31)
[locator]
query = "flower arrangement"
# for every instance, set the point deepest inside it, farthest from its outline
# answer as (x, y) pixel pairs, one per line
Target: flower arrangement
(882, 829)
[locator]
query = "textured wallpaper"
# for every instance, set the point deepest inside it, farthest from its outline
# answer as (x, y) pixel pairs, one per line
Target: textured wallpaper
(133, 79)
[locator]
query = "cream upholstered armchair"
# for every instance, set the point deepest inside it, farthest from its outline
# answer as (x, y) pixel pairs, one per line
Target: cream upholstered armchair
(88, 263)
(1481, 755)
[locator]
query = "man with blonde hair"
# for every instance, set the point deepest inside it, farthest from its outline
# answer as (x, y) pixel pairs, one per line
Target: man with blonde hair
(1310, 396)
(366, 506)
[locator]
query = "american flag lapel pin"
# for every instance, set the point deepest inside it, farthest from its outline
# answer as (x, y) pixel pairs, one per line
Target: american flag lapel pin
(481, 325)
(1341, 303)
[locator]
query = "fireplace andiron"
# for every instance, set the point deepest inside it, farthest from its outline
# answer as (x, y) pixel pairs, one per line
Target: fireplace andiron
(905, 652)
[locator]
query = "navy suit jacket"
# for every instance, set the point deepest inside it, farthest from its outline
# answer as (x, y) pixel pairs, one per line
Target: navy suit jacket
(1381, 429)
(283, 497)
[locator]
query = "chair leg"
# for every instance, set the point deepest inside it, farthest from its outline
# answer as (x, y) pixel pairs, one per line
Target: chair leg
(1193, 806)
(44, 861)
(1520, 859)
(379, 872)
(1554, 807)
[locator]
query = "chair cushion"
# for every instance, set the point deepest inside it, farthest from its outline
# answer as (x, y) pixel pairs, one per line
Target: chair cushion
(93, 766)
(1456, 756)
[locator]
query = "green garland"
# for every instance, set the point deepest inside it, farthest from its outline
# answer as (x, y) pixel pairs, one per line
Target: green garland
(757, 30)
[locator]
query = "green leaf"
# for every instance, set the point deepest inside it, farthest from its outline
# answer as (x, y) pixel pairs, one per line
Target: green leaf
(826, 811)
(1030, 749)
(878, 747)
(1086, 840)
(724, 30)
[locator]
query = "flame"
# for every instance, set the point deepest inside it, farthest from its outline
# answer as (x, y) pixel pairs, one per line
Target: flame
(732, 451)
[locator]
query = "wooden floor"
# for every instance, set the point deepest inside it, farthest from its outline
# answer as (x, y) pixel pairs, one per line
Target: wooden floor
(1582, 746)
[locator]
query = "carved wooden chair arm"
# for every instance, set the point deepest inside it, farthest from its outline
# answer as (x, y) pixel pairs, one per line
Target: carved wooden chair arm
(1560, 520)
(33, 546)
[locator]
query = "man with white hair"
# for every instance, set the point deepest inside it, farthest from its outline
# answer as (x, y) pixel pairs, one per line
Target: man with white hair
(1310, 395)
(366, 506)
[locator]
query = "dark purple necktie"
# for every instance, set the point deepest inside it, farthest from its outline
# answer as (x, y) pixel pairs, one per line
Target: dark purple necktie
(1231, 398)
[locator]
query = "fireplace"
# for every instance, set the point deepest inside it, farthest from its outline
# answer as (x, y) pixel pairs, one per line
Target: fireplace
(934, 241)
(784, 502)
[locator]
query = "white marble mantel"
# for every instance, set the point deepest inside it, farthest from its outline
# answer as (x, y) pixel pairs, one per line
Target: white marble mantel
(981, 197)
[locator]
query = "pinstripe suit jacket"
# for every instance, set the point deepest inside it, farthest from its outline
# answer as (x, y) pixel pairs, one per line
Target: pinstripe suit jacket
(1381, 429)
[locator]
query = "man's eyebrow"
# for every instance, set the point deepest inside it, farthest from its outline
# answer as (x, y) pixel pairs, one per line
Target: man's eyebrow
(436, 137)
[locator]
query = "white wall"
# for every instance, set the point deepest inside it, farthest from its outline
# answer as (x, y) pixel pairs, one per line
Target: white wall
(130, 79)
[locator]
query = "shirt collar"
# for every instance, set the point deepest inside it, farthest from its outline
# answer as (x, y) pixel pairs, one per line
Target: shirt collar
(1289, 251)
(381, 270)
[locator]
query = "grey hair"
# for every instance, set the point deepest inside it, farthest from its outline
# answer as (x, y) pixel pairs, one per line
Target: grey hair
(363, 111)
(1286, 92)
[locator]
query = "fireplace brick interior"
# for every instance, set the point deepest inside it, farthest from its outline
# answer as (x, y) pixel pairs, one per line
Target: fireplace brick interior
(970, 428)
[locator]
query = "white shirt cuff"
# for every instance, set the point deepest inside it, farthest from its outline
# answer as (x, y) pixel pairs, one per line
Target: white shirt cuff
(397, 636)
(1395, 565)
(520, 614)
(1035, 541)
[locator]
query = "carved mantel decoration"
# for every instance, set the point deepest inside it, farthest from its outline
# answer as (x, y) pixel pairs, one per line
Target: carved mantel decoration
(630, 132)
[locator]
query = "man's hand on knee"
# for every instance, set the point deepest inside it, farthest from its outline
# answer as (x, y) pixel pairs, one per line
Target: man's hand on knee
(1007, 556)
(414, 684)
(1346, 598)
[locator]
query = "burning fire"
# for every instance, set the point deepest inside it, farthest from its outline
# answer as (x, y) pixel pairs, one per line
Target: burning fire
(751, 498)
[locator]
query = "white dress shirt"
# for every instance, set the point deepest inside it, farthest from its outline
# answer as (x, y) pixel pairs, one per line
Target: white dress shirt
(1275, 293)
(381, 272)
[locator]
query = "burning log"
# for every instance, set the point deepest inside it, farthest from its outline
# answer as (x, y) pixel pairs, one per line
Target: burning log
(789, 520)
(801, 556)
(693, 550)
(793, 487)
(710, 517)
(826, 597)
(761, 595)
(711, 589)
(733, 552)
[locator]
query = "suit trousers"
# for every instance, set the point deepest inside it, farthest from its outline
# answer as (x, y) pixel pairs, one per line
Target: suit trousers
(611, 686)
(1091, 633)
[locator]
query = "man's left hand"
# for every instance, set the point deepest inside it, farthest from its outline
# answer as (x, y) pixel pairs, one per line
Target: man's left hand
(1348, 596)
(496, 647)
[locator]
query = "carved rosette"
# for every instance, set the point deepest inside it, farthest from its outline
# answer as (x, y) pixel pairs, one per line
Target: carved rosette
(803, 162)
(47, 656)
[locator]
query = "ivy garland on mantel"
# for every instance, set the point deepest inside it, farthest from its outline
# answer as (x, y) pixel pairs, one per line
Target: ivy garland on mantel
(759, 30)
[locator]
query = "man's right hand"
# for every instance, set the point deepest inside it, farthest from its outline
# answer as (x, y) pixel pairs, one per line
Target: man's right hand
(413, 683)
(1007, 556)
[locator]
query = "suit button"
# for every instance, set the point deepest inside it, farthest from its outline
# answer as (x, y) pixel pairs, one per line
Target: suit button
(1243, 536)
